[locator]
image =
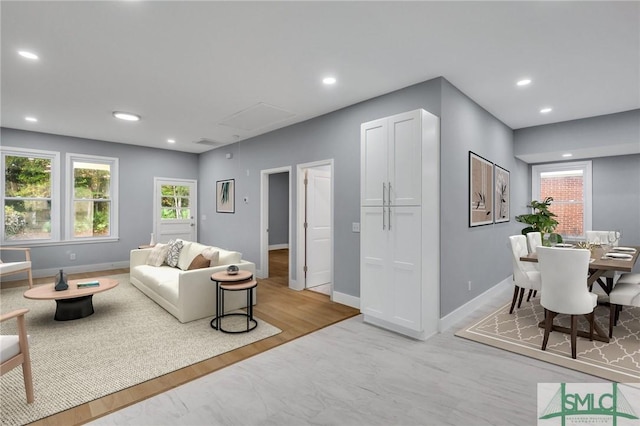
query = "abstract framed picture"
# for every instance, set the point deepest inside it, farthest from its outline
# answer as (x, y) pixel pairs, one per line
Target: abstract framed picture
(501, 196)
(226, 196)
(480, 190)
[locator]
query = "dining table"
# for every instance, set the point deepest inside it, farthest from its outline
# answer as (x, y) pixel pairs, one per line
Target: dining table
(603, 258)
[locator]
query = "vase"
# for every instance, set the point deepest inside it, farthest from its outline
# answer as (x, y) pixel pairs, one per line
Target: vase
(61, 284)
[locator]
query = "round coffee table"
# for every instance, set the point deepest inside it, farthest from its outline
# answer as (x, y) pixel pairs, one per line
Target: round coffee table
(242, 281)
(72, 303)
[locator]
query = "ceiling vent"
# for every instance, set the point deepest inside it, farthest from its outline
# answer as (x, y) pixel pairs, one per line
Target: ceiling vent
(209, 142)
(257, 117)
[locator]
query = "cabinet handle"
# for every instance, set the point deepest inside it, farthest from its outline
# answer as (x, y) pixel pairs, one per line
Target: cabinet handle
(384, 188)
(389, 218)
(389, 197)
(383, 222)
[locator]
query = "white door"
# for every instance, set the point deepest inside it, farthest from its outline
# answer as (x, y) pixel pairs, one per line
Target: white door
(374, 252)
(318, 226)
(175, 209)
(405, 161)
(374, 159)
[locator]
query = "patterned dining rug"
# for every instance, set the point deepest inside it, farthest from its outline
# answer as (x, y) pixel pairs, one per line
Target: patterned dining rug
(618, 360)
(128, 340)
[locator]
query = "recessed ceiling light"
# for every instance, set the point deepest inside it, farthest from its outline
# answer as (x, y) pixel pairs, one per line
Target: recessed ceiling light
(27, 54)
(126, 116)
(31, 119)
(329, 80)
(568, 154)
(546, 110)
(171, 140)
(524, 82)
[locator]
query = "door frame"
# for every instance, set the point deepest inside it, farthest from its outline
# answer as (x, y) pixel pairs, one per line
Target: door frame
(300, 244)
(194, 200)
(263, 272)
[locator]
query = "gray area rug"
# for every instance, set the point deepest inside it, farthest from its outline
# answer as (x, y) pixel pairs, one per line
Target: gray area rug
(128, 340)
(618, 360)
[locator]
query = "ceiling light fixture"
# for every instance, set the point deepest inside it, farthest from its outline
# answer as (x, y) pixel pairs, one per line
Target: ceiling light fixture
(329, 80)
(171, 140)
(31, 119)
(568, 154)
(127, 116)
(546, 110)
(524, 82)
(27, 54)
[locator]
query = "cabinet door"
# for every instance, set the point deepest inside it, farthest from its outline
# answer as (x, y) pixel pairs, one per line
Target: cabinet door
(373, 164)
(405, 296)
(405, 160)
(373, 259)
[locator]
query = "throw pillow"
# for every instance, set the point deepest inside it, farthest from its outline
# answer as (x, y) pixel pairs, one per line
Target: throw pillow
(212, 255)
(175, 246)
(230, 257)
(198, 262)
(158, 255)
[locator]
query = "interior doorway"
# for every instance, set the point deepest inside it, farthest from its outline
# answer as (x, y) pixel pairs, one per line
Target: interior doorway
(315, 226)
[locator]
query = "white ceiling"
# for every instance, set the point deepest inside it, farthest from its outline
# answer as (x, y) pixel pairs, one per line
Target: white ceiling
(188, 67)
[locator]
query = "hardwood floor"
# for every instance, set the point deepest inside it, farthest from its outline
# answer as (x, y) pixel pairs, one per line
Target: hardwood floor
(296, 313)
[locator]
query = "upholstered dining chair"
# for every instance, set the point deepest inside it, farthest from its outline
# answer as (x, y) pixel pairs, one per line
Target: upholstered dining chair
(623, 294)
(10, 268)
(564, 289)
(535, 240)
(602, 238)
(525, 274)
(14, 351)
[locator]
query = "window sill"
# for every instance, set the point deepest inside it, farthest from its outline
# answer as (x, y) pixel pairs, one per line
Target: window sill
(27, 243)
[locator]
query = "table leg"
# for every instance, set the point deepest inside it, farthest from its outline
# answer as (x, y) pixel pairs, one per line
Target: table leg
(76, 308)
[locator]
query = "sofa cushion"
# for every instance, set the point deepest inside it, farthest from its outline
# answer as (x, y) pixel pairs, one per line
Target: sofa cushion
(161, 279)
(189, 251)
(212, 255)
(229, 257)
(199, 262)
(158, 254)
(173, 255)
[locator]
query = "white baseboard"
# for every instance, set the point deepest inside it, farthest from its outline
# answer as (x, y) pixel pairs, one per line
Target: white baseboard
(50, 272)
(463, 311)
(346, 299)
(279, 246)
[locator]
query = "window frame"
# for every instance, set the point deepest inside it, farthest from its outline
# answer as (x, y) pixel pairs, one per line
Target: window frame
(54, 157)
(70, 197)
(586, 167)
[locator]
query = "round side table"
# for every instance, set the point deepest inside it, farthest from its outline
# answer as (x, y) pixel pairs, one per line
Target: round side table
(242, 281)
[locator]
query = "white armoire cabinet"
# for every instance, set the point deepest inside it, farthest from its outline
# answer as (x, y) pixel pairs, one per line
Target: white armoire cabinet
(400, 223)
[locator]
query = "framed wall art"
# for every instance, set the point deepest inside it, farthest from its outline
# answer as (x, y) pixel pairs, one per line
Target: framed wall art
(502, 198)
(225, 196)
(481, 204)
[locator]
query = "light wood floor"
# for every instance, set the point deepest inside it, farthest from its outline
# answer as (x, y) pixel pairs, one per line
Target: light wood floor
(296, 313)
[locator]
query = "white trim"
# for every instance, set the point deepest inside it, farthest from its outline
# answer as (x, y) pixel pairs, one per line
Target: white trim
(301, 282)
(278, 246)
(50, 272)
(345, 299)
(113, 163)
(263, 271)
(465, 310)
(55, 191)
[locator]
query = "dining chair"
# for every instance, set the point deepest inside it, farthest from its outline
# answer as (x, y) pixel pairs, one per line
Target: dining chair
(14, 351)
(10, 268)
(564, 289)
(535, 240)
(629, 278)
(625, 294)
(525, 274)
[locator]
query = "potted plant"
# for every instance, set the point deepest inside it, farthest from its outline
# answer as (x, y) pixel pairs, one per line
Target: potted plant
(541, 220)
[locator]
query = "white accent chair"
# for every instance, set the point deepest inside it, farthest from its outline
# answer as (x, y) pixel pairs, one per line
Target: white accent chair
(602, 238)
(623, 294)
(10, 268)
(525, 274)
(564, 289)
(14, 351)
(535, 240)
(629, 278)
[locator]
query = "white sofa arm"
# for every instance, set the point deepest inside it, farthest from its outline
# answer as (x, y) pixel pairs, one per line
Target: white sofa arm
(138, 257)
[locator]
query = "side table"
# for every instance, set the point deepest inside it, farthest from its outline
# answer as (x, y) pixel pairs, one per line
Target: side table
(242, 281)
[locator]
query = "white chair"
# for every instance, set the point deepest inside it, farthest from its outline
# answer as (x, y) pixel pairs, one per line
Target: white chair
(525, 274)
(14, 351)
(625, 294)
(603, 238)
(564, 289)
(10, 268)
(629, 278)
(535, 240)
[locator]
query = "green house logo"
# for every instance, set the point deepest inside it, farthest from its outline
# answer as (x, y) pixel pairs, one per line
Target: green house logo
(586, 405)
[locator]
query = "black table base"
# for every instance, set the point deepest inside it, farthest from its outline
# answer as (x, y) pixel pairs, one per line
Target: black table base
(72, 309)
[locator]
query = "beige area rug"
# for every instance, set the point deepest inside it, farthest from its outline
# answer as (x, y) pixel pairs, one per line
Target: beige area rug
(128, 340)
(617, 361)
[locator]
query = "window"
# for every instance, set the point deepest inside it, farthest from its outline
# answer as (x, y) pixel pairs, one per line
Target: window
(570, 186)
(92, 197)
(175, 202)
(30, 195)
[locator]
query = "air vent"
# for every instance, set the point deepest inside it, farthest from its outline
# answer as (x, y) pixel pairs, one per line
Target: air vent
(209, 142)
(256, 117)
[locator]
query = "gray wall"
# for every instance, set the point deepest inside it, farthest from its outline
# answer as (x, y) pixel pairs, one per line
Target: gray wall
(137, 168)
(279, 208)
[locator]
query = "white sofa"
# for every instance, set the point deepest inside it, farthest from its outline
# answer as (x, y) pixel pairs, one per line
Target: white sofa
(188, 295)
